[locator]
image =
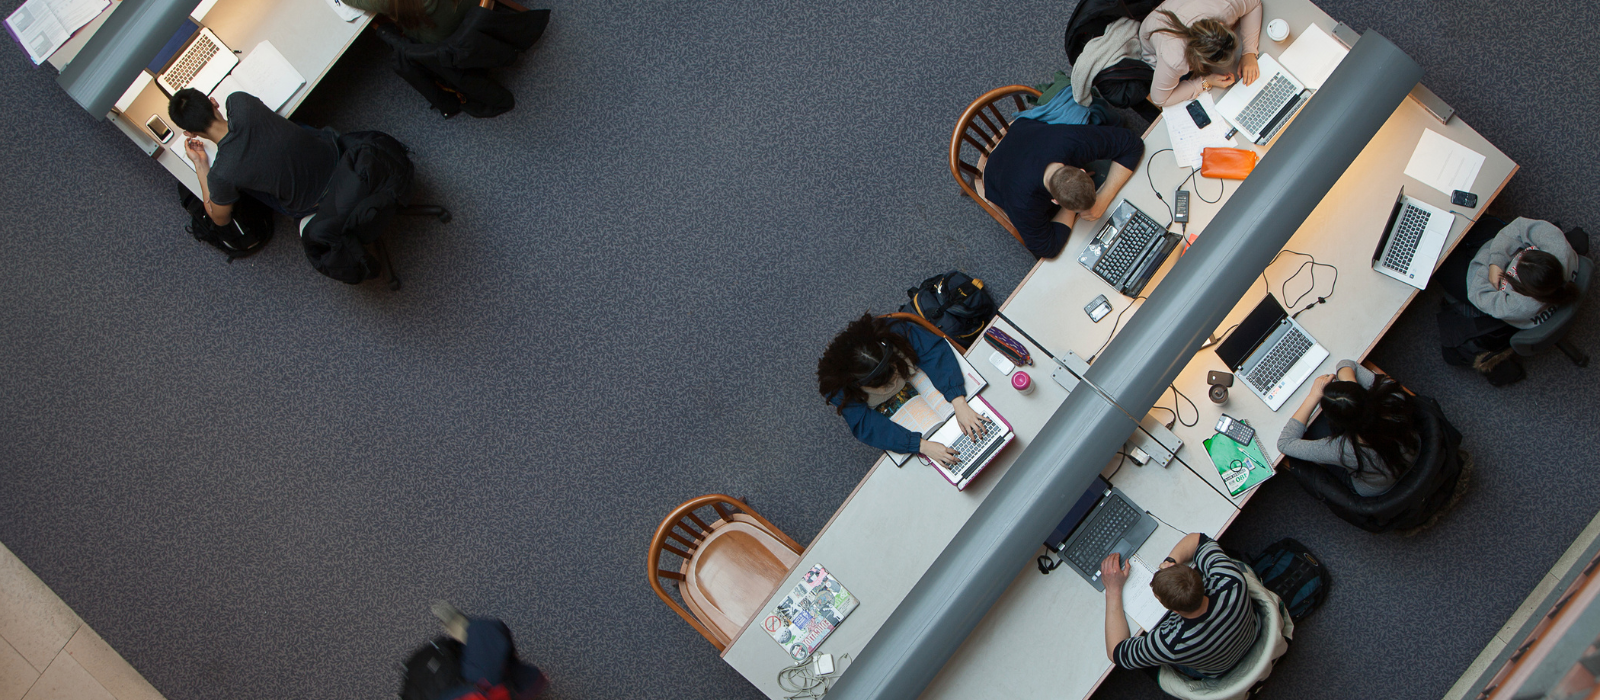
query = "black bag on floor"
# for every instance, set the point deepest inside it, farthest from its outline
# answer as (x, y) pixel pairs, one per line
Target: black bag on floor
(955, 302)
(243, 237)
(1290, 570)
(432, 670)
(1091, 17)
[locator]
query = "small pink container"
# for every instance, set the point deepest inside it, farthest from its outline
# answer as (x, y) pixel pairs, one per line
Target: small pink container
(1022, 382)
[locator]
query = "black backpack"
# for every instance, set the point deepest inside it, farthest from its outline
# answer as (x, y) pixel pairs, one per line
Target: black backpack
(432, 670)
(955, 302)
(1091, 17)
(245, 236)
(1290, 570)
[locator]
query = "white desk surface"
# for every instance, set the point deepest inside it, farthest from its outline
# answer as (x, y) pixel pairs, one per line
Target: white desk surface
(1044, 637)
(306, 32)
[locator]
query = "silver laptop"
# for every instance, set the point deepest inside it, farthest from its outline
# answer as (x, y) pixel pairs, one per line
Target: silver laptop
(1272, 353)
(1412, 241)
(193, 58)
(1264, 107)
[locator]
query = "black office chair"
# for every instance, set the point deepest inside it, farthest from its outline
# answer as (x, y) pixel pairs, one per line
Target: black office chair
(364, 195)
(1434, 483)
(1552, 328)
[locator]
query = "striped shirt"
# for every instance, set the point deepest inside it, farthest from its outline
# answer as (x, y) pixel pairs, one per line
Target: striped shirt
(1212, 643)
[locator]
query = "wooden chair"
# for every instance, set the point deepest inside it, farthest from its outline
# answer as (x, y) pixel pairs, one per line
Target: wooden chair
(926, 324)
(728, 569)
(981, 127)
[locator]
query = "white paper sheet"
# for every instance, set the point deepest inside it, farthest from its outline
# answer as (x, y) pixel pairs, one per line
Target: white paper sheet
(43, 26)
(1138, 601)
(1443, 164)
(177, 146)
(1190, 141)
(1313, 56)
(266, 74)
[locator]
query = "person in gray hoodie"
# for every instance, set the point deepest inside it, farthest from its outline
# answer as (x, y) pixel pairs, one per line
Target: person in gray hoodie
(1524, 268)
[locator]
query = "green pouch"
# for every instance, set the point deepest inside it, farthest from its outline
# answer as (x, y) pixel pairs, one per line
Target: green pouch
(1241, 466)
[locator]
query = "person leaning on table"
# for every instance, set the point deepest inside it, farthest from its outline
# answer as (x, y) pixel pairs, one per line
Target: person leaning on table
(870, 362)
(1370, 439)
(1196, 45)
(1210, 624)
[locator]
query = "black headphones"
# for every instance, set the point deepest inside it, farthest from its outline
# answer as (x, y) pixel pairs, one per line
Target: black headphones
(883, 364)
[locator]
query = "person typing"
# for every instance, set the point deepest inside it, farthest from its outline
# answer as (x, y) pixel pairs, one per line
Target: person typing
(1210, 624)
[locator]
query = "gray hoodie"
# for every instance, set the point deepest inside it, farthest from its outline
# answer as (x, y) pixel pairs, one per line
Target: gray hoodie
(1504, 304)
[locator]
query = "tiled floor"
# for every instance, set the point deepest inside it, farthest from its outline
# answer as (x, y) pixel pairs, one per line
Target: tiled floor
(47, 653)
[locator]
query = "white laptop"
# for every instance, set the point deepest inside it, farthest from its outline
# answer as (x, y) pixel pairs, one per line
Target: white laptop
(974, 456)
(192, 58)
(1412, 241)
(1272, 353)
(1259, 110)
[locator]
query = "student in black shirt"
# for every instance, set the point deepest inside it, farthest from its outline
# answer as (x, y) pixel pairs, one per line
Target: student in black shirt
(284, 165)
(1036, 177)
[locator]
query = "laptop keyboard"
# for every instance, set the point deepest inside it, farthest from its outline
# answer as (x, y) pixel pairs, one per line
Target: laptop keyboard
(1267, 103)
(974, 453)
(1105, 527)
(1131, 243)
(1288, 351)
(192, 61)
(1403, 240)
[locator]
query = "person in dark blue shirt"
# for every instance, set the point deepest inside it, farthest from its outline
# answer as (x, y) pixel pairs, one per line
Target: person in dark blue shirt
(1036, 176)
(869, 363)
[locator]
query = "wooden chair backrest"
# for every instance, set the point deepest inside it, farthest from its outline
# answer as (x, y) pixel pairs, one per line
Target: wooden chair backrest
(981, 127)
(925, 323)
(732, 545)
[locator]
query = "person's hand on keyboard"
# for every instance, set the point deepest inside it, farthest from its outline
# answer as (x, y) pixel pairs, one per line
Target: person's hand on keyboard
(1114, 572)
(1249, 69)
(969, 420)
(940, 453)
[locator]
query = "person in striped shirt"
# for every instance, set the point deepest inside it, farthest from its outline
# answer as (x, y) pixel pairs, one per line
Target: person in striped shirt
(1211, 621)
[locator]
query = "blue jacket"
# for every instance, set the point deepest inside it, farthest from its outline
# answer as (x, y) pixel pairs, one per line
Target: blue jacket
(934, 357)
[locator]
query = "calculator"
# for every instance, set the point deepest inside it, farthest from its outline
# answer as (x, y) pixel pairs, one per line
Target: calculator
(1239, 431)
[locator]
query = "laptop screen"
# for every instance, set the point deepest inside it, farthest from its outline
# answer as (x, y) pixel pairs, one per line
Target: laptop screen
(174, 45)
(1251, 331)
(1080, 510)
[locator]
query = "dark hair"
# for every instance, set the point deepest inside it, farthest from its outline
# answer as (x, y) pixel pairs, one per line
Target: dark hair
(191, 110)
(1072, 188)
(854, 354)
(1210, 47)
(1381, 419)
(1539, 275)
(1179, 587)
(411, 14)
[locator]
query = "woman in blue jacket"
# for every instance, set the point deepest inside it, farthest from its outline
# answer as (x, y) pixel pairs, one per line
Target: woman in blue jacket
(870, 362)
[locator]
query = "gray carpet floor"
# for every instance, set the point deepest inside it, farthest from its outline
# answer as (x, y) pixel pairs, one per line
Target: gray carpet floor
(251, 479)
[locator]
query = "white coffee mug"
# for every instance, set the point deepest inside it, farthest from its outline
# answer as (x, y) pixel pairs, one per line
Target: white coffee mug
(1277, 30)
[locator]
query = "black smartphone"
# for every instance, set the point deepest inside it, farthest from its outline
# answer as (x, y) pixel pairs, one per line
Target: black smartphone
(1464, 199)
(1215, 378)
(1198, 113)
(1098, 308)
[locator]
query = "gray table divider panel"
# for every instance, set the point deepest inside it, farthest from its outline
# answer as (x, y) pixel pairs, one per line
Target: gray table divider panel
(1087, 430)
(122, 47)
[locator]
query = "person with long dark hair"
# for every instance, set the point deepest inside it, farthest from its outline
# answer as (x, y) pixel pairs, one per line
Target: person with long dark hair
(1371, 438)
(426, 21)
(1196, 45)
(870, 362)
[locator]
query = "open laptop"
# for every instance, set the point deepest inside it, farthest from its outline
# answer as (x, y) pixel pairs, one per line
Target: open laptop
(1412, 240)
(1103, 521)
(974, 455)
(192, 58)
(1271, 352)
(1128, 249)
(1264, 107)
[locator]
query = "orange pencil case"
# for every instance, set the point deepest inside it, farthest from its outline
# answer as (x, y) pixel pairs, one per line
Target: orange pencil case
(1227, 163)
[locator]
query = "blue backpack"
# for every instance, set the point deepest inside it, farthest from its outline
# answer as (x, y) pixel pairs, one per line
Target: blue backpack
(1290, 570)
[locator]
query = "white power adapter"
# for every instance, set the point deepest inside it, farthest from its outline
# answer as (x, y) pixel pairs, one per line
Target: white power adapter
(822, 665)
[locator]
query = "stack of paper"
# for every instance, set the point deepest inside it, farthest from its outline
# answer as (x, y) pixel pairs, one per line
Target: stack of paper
(266, 74)
(1313, 56)
(42, 26)
(1188, 140)
(1444, 164)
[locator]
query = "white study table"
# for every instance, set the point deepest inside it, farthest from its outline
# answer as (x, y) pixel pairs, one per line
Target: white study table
(306, 32)
(1044, 637)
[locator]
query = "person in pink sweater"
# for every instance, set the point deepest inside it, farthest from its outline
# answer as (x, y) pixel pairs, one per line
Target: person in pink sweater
(1196, 45)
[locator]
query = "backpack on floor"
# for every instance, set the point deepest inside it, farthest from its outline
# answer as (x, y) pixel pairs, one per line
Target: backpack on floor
(432, 670)
(1290, 570)
(955, 302)
(248, 232)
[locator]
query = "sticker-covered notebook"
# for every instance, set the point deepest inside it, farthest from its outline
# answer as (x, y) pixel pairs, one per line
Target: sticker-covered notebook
(1241, 466)
(805, 617)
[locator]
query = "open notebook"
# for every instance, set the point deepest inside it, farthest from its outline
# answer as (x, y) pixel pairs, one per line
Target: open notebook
(266, 74)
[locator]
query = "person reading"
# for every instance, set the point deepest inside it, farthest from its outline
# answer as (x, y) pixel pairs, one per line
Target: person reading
(1210, 624)
(1037, 176)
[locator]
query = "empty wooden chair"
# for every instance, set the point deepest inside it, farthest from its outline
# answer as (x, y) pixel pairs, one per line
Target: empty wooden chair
(727, 570)
(980, 129)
